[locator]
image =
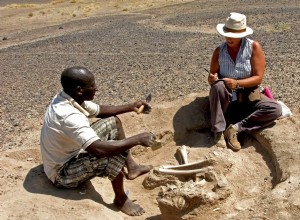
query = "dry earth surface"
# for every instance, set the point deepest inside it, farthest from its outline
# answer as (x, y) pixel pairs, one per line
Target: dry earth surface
(136, 47)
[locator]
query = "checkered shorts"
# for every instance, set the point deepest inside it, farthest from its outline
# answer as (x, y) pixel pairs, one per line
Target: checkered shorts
(85, 166)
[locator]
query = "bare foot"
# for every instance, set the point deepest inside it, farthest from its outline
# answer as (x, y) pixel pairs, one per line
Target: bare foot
(130, 208)
(138, 170)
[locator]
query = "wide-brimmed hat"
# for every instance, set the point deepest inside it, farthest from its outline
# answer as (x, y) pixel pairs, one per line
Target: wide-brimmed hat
(235, 26)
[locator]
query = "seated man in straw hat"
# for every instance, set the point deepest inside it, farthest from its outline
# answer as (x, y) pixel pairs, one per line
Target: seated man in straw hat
(73, 151)
(236, 71)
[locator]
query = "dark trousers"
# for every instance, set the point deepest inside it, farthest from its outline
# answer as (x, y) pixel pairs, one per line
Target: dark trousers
(249, 115)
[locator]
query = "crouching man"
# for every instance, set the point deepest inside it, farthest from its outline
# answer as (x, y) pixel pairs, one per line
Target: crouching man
(73, 151)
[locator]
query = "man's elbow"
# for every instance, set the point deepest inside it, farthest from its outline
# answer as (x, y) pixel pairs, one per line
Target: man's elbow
(93, 150)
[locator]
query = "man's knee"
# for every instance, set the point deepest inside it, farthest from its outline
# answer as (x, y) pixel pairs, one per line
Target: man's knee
(118, 122)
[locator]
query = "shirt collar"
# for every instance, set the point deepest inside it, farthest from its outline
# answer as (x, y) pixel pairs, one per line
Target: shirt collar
(74, 103)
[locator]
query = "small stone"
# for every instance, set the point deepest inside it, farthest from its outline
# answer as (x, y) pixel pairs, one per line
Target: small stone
(215, 153)
(156, 145)
(16, 124)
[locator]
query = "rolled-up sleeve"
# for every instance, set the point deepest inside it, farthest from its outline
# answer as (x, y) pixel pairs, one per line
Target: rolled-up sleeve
(92, 108)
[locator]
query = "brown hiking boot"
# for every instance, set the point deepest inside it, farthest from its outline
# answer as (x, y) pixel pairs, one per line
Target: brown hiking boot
(220, 140)
(231, 137)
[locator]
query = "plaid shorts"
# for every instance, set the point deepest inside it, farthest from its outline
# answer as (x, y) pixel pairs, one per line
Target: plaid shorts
(84, 166)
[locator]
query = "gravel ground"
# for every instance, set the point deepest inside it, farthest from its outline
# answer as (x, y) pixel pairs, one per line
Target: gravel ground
(162, 51)
(8, 2)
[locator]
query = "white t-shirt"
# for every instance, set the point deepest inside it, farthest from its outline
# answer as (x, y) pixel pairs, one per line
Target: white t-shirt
(65, 132)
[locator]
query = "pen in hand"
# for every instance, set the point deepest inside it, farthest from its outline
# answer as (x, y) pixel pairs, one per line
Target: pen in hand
(215, 76)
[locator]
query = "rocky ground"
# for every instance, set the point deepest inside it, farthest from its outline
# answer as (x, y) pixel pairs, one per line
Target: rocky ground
(136, 47)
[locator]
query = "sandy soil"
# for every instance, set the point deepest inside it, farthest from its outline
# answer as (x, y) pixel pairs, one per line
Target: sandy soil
(136, 47)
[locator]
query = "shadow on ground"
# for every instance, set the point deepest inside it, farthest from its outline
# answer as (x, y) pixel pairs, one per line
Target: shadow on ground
(192, 120)
(36, 181)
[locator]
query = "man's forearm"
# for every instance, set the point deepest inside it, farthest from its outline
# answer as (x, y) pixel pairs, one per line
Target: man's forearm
(111, 148)
(106, 110)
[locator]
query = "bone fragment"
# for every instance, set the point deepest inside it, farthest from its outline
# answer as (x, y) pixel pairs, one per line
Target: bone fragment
(182, 153)
(192, 165)
(184, 172)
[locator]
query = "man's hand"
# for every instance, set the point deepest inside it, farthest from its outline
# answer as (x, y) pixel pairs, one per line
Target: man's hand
(110, 148)
(212, 78)
(147, 139)
(146, 109)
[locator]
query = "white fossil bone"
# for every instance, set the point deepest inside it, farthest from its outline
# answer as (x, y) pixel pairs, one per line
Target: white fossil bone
(182, 154)
(184, 172)
(189, 166)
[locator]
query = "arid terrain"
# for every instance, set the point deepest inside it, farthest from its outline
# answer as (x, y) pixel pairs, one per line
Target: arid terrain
(133, 48)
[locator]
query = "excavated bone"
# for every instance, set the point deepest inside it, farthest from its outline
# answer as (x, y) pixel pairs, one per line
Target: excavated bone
(184, 172)
(182, 154)
(190, 166)
(184, 200)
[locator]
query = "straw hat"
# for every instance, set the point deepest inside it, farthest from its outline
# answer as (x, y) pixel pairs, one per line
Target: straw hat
(235, 26)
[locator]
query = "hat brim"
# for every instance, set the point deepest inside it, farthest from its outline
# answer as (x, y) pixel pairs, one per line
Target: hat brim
(232, 34)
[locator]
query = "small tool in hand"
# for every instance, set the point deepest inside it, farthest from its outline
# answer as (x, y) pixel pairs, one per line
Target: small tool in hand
(217, 80)
(206, 70)
(141, 108)
(156, 143)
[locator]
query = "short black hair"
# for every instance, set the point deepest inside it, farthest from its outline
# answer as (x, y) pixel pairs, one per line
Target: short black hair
(72, 77)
